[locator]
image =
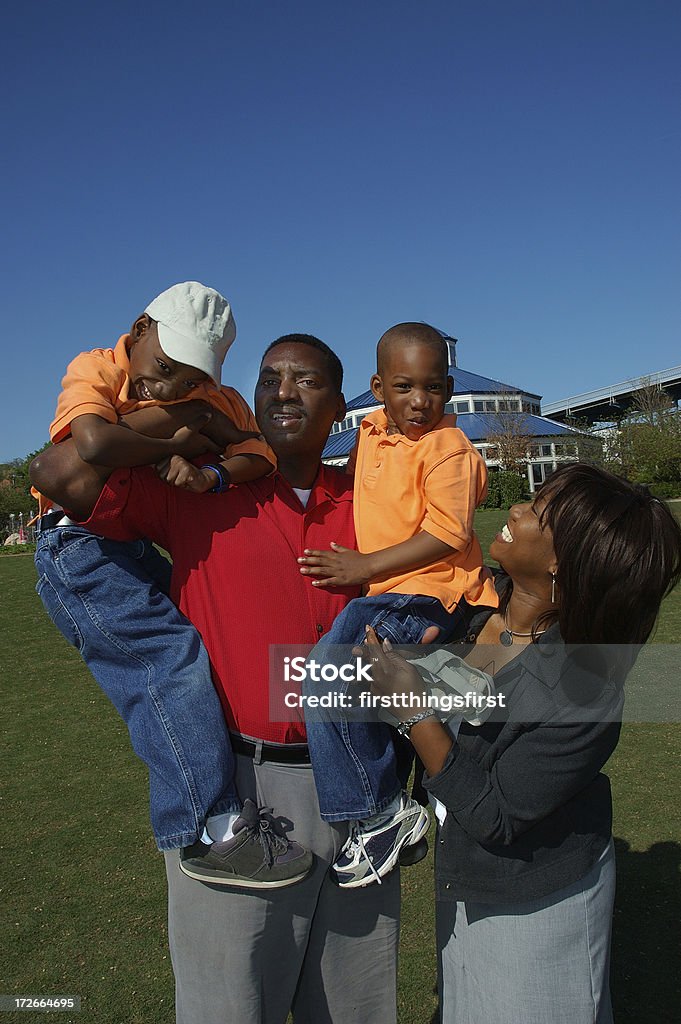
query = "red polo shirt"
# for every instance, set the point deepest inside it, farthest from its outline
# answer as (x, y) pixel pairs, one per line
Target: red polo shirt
(235, 574)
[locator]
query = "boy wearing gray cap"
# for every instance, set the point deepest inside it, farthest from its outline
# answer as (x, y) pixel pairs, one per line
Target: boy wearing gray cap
(156, 398)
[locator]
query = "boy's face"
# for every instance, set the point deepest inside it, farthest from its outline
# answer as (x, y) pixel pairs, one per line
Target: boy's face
(414, 388)
(153, 374)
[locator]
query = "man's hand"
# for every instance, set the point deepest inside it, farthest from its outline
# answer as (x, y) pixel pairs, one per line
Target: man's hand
(341, 567)
(178, 472)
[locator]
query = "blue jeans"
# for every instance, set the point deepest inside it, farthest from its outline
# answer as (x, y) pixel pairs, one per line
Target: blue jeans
(108, 599)
(354, 762)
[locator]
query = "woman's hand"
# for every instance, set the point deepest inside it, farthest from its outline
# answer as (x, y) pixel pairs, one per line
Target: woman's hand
(341, 567)
(393, 676)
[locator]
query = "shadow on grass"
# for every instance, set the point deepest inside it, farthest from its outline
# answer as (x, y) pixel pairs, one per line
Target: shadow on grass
(646, 972)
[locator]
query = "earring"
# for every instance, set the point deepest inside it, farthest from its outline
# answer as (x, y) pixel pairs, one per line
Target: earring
(553, 588)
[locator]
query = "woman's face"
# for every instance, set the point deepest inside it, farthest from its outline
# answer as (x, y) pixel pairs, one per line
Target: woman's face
(523, 547)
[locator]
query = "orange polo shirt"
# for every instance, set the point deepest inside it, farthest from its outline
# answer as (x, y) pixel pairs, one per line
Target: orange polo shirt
(98, 382)
(434, 484)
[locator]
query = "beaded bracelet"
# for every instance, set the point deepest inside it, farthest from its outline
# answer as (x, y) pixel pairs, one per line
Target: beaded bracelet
(404, 728)
(223, 478)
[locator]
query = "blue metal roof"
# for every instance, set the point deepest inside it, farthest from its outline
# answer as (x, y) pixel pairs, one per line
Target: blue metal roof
(340, 445)
(477, 426)
(465, 383)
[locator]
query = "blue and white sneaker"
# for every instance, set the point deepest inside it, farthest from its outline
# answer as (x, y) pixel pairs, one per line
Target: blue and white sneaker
(373, 848)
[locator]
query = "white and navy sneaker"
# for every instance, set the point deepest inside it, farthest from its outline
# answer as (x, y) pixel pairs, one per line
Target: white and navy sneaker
(374, 846)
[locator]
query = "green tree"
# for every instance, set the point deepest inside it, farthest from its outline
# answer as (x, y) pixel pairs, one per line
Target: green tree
(645, 447)
(15, 490)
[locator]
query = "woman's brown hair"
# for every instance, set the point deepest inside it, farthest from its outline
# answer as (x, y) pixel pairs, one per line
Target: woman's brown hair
(618, 550)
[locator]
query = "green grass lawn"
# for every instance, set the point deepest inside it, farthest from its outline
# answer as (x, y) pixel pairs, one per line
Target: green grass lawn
(82, 890)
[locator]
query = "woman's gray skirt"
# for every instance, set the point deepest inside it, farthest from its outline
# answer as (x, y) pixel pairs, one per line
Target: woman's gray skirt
(546, 961)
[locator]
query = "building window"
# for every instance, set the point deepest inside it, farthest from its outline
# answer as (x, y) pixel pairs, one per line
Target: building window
(479, 406)
(540, 471)
(463, 407)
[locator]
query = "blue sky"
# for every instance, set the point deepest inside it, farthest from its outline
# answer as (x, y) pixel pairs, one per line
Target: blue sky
(508, 171)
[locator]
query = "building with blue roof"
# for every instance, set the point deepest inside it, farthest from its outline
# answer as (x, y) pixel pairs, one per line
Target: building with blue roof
(484, 408)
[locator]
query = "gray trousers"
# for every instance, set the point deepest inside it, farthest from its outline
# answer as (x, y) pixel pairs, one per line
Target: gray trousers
(326, 954)
(542, 962)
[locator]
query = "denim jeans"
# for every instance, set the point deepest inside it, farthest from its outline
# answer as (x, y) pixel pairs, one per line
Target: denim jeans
(354, 762)
(108, 599)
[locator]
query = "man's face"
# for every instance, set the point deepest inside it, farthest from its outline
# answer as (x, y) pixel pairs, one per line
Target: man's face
(296, 401)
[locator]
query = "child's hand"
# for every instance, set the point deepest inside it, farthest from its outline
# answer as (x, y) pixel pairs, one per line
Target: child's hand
(177, 472)
(341, 567)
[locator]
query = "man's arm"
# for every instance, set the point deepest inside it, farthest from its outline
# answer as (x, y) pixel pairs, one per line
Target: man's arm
(64, 476)
(61, 475)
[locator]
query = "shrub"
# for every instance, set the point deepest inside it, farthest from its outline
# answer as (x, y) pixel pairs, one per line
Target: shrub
(505, 488)
(493, 499)
(514, 488)
(666, 489)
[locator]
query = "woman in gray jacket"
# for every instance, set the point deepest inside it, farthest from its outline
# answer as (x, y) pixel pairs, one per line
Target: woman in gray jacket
(525, 873)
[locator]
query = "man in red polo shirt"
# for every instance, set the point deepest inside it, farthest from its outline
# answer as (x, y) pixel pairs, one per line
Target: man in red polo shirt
(328, 954)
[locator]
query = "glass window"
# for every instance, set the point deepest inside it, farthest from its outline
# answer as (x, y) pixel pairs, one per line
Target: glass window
(490, 406)
(479, 406)
(546, 449)
(462, 407)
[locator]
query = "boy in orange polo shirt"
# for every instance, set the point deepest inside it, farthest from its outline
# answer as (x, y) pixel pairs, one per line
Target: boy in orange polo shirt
(418, 481)
(129, 406)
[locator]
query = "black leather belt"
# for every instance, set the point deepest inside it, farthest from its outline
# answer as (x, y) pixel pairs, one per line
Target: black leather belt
(49, 520)
(278, 753)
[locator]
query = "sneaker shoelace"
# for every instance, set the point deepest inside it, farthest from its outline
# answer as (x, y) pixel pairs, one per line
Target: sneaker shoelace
(266, 831)
(355, 844)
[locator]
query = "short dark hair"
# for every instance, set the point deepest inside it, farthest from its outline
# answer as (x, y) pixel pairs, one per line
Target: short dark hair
(333, 363)
(411, 333)
(618, 553)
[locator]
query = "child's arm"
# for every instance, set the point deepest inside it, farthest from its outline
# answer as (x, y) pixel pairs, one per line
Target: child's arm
(343, 567)
(164, 420)
(101, 443)
(247, 456)
(452, 489)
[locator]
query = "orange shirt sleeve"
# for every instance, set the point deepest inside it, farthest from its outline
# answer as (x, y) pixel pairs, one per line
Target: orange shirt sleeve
(454, 487)
(92, 384)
